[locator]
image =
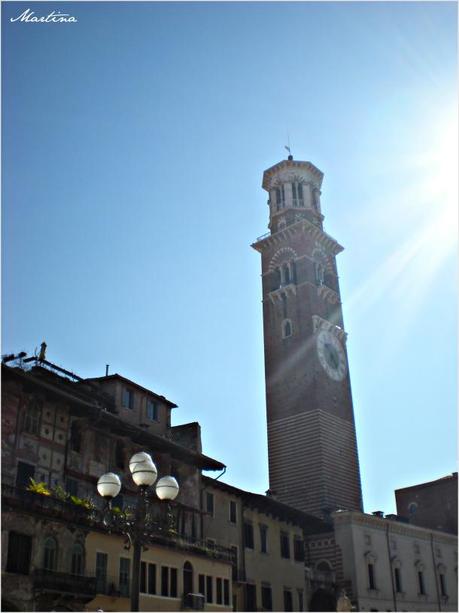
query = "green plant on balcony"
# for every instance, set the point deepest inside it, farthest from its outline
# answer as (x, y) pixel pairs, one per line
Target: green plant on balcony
(38, 488)
(59, 493)
(85, 503)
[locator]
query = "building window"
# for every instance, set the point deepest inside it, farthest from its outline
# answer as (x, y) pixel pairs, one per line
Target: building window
(164, 581)
(152, 410)
(101, 572)
(288, 600)
(19, 550)
(147, 578)
(31, 419)
(50, 554)
(75, 437)
(226, 592)
(202, 584)
(71, 486)
(285, 545)
(233, 512)
(187, 579)
(300, 600)
(168, 582)
(280, 197)
(248, 535)
(266, 597)
(125, 573)
(371, 577)
(234, 561)
(398, 580)
(128, 398)
(143, 578)
(263, 538)
(210, 503)
(77, 559)
(286, 328)
(219, 590)
(209, 585)
(24, 474)
(119, 455)
(441, 576)
(297, 191)
(319, 273)
(285, 274)
(298, 549)
(421, 582)
(250, 597)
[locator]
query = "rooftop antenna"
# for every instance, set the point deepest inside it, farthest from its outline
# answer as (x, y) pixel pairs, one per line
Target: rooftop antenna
(290, 156)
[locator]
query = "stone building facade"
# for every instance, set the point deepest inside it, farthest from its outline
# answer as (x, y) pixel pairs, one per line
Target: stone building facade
(394, 566)
(65, 432)
(267, 539)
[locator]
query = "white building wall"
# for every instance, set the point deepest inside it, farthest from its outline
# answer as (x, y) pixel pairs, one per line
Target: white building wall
(365, 539)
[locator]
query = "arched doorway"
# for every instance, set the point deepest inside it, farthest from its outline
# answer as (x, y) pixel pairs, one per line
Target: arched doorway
(187, 579)
(323, 600)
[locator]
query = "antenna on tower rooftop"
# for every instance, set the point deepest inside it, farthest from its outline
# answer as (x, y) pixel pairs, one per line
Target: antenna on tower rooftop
(290, 157)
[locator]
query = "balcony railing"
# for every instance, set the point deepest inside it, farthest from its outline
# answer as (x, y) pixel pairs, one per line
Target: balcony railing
(49, 580)
(53, 507)
(47, 505)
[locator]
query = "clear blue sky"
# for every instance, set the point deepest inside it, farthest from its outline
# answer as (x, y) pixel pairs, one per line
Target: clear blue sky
(134, 143)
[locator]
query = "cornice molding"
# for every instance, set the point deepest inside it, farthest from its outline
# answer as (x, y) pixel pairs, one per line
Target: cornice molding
(266, 242)
(328, 294)
(276, 295)
(290, 165)
(378, 523)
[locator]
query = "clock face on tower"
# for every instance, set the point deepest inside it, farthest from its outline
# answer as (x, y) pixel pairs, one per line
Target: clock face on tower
(331, 355)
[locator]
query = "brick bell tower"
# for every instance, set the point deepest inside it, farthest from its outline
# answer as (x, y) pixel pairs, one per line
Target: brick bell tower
(312, 447)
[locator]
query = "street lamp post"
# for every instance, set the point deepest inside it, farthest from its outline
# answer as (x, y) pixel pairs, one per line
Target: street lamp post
(136, 529)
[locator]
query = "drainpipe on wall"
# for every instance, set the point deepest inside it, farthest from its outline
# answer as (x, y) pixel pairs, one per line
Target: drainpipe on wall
(391, 570)
(242, 542)
(435, 572)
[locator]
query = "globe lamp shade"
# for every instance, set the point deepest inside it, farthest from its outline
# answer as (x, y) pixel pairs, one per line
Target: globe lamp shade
(167, 488)
(142, 456)
(144, 473)
(109, 485)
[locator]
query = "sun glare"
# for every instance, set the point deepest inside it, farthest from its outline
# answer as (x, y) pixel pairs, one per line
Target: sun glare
(423, 213)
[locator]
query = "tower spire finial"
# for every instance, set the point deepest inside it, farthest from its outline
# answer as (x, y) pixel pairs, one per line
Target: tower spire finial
(288, 147)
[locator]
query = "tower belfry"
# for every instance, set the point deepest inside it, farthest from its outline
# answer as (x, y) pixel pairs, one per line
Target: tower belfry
(312, 448)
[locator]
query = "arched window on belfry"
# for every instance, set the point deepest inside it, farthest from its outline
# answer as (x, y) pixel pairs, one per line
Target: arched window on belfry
(286, 328)
(319, 273)
(280, 197)
(297, 193)
(286, 274)
(320, 266)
